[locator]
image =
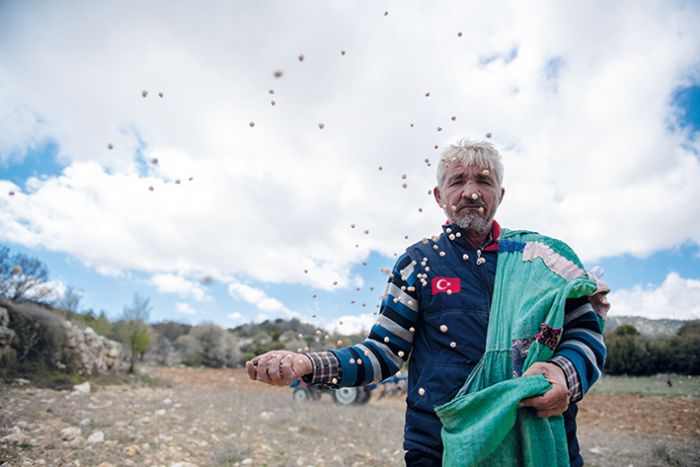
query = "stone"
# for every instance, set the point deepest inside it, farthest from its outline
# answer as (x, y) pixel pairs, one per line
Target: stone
(131, 451)
(70, 433)
(183, 464)
(96, 437)
(83, 388)
(247, 461)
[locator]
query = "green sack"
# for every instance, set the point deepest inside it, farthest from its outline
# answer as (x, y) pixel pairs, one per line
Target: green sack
(482, 425)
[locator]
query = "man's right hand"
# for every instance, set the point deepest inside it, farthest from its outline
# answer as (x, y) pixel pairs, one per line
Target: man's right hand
(278, 367)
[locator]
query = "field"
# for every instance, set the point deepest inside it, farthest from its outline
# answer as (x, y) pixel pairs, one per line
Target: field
(218, 417)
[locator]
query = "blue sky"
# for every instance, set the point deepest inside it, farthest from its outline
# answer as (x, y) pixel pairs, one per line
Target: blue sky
(601, 146)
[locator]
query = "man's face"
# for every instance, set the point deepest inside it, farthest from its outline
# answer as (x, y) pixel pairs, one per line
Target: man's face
(469, 195)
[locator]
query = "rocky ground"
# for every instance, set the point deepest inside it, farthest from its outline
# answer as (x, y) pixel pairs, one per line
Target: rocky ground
(218, 417)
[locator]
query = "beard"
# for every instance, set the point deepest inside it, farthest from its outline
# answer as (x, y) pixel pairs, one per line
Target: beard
(473, 221)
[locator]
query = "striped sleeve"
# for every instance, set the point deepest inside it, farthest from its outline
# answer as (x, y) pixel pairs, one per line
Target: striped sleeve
(390, 339)
(582, 346)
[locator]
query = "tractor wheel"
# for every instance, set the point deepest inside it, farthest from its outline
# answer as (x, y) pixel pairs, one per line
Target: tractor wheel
(365, 395)
(301, 395)
(345, 396)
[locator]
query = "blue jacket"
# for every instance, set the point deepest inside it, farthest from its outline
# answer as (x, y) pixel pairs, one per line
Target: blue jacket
(436, 310)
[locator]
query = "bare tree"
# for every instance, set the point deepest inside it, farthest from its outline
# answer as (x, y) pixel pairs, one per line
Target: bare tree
(19, 275)
(70, 300)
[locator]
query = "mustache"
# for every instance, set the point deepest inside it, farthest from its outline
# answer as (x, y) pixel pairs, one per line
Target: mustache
(470, 203)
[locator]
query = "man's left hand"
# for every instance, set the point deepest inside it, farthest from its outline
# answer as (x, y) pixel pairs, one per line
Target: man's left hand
(554, 401)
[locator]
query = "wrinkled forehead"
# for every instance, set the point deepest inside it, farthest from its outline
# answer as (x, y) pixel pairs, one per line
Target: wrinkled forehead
(454, 168)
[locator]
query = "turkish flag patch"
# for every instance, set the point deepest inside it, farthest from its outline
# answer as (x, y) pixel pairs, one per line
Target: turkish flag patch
(447, 285)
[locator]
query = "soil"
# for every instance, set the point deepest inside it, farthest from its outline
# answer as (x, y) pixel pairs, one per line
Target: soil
(219, 417)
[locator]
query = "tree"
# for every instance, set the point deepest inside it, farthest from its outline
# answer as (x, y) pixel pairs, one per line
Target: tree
(70, 300)
(20, 275)
(133, 329)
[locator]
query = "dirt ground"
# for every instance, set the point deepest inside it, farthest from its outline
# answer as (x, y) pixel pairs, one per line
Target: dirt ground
(219, 417)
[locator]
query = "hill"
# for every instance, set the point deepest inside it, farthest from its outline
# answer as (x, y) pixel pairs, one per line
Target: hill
(648, 327)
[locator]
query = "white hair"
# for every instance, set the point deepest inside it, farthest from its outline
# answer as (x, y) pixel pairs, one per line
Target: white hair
(468, 152)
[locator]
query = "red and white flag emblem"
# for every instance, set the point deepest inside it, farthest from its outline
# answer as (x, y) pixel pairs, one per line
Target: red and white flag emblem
(445, 284)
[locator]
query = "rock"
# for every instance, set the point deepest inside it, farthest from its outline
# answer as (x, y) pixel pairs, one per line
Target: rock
(184, 464)
(106, 464)
(160, 412)
(70, 433)
(247, 461)
(167, 401)
(15, 436)
(22, 381)
(596, 450)
(96, 437)
(85, 422)
(131, 451)
(266, 415)
(83, 388)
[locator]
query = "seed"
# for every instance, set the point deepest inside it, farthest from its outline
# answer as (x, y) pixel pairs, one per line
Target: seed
(251, 124)
(154, 161)
(400, 353)
(453, 344)
(144, 93)
(386, 339)
(443, 328)
(488, 135)
(459, 34)
(110, 147)
(427, 94)
(321, 126)
(465, 257)
(442, 253)
(277, 73)
(421, 391)
(301, 57)
(160, 94)
(453, 118)
(342, 52)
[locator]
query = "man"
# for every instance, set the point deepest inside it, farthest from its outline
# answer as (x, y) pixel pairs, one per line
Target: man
(437, 307)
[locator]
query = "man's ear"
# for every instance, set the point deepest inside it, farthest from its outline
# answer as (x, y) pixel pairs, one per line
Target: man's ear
(438, 196)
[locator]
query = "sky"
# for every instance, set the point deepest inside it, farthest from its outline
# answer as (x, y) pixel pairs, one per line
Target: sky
(215, 159)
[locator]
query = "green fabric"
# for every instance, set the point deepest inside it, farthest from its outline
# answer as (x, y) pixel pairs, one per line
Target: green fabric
(482, 425)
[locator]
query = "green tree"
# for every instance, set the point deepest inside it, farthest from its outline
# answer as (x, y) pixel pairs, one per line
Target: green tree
(133, 328)
(628, 352)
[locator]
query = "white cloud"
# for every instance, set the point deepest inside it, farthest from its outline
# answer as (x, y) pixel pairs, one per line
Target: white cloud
(270, 307)
(590, 154)
(351, 324)
(185, 309)
(170, 283)
(235, 316)
(676, 298)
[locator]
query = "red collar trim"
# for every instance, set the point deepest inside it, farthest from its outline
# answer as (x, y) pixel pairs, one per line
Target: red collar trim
(495, 236)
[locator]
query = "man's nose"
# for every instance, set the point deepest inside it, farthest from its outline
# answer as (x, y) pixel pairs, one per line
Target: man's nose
(470, 192)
